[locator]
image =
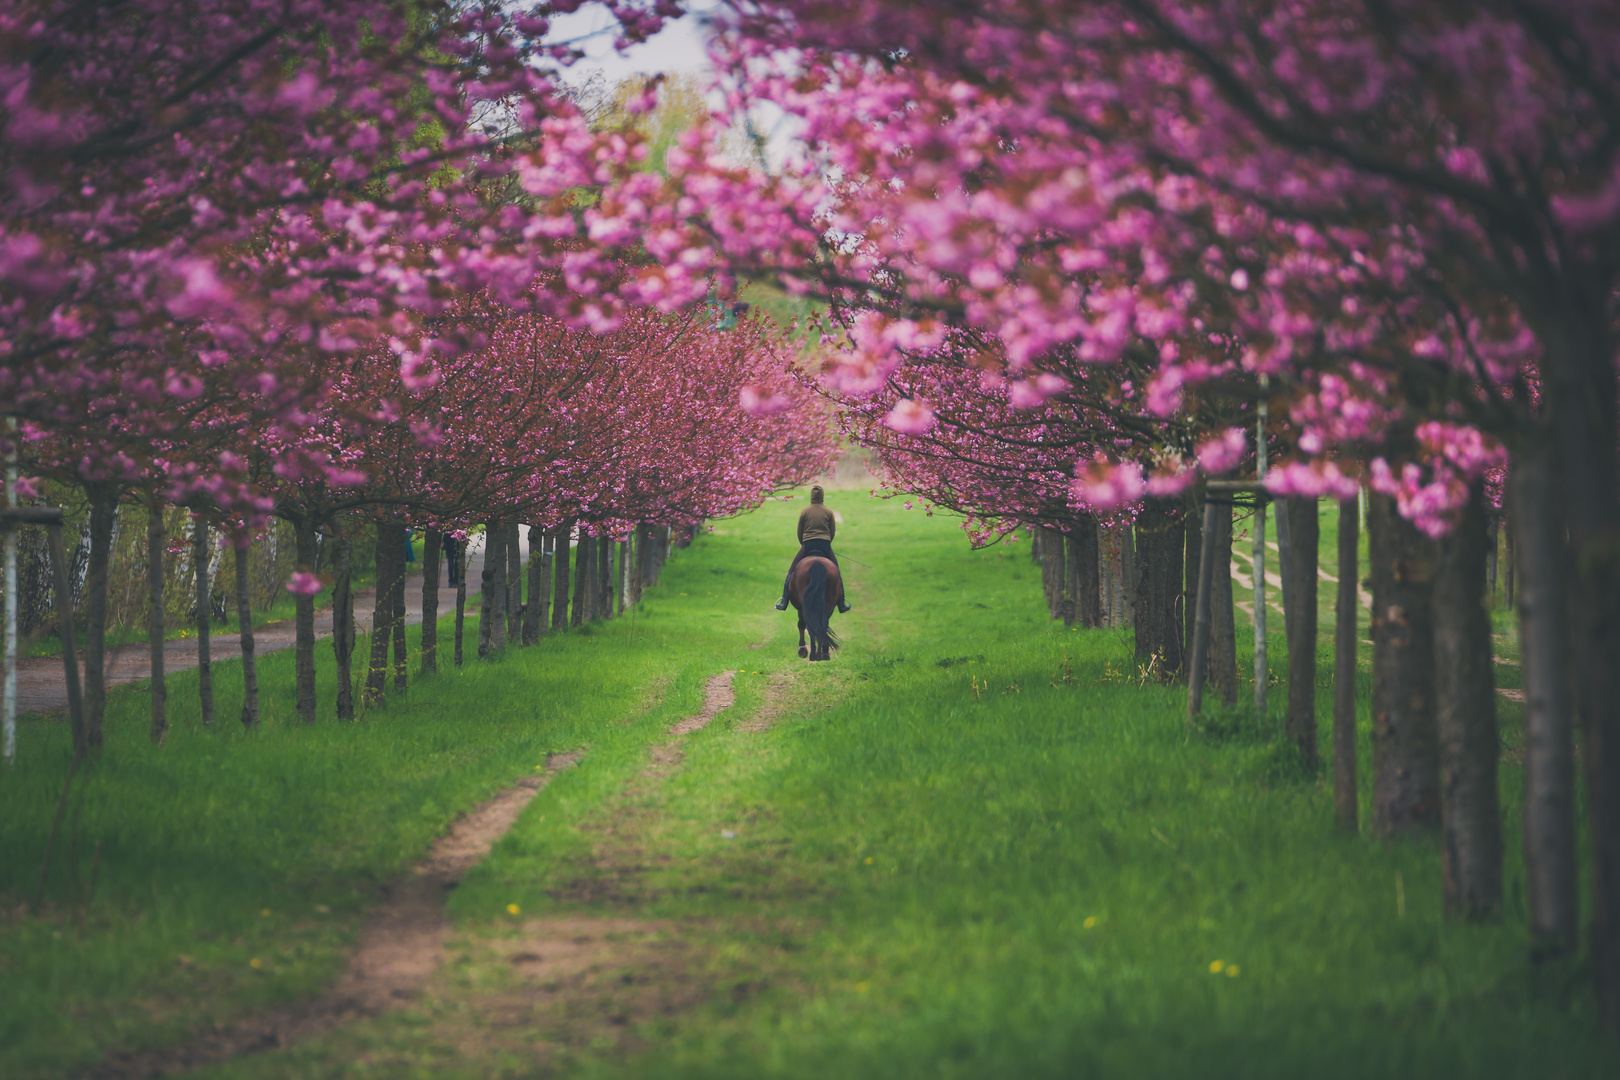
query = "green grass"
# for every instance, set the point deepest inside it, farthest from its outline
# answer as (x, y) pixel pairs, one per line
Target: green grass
(949, 860)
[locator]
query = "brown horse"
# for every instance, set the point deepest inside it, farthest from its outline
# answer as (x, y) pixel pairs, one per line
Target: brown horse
(815, 589)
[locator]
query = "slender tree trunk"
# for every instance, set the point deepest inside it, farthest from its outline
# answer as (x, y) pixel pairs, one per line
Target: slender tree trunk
(1549, 752)
(103, 515)
(401, 653)
(1580, 398)
(155, 543)
(304, 621)
(1223, 618)
(1171, 602)
(1509, 541)
(514, 582)
(1045, 540)
(622, 582)
(1285, 543)
(582, 582)
(1141, 591)
(1493, 524)
(1299, 619)
(497, 611)
(559, 580)
(638, 575)
(1406, 752)
(1089, 593)
(244, 619)
(343, 624)
(1346, 803)
(1129, 571)
(660, 552)
(1465, 713)
(486, 594)
(1071, 608)
(604, 572)
(533, 614)
(461, 596)
(382, 613)
(200, 553)
(432, 541)
(1192, 549)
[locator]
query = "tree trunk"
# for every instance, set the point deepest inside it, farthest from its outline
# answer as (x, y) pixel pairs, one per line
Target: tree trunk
(1299, 619)
(200, 554)
(1192, 550)
(343, 624)
(1140, 588)
(486, 592)
(1285, 544)
(1127, 574)
(1346, 804)
(533, 614)
(1071, 608)
(1509, 542)
(514, 582)
(304, 622)
(1406, 752)
(1465, 714)
(1158, 593)
(244, 619)
(622, 581)
(1493, 524)
(461, 596)
(604, 574)
(154, 597)
(103, 515)
(1579, 388)
(1089, 593)
(1223, 618)
(559, 579)
(382, 614)
(582, 582)
(432, 541)
(1549, 752)
(397, 628)
(660, 552)
(638, 575)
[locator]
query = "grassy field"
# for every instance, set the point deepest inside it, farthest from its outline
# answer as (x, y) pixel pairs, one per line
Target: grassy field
(970, 846)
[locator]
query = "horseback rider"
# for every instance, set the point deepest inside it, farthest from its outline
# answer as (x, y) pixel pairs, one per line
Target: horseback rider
(816, 531)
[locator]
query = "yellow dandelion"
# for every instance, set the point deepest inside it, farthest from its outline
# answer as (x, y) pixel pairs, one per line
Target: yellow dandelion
(862, 988)
(1091, 921)
(513, 909)
(255, 963)
(265, 913)
(869, 860)
(1215, 967)
(1231, 971)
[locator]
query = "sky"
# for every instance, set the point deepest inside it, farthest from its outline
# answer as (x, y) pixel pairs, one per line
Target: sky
(679, 47)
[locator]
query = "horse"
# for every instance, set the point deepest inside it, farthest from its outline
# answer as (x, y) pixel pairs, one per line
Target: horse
(814, 589)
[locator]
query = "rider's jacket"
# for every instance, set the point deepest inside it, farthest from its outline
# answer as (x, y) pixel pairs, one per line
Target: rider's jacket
(816, 523)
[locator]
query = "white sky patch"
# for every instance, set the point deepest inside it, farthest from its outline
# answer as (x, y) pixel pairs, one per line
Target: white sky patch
(681, 47)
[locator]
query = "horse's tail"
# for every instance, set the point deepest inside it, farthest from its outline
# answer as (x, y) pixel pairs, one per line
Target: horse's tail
(814, 606)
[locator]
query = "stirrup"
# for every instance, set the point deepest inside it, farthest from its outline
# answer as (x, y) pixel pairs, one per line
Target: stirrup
(781, 605)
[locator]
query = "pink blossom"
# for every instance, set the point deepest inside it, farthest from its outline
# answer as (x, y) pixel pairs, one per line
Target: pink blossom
(1222, 453)
(303, 583)
(910, 417)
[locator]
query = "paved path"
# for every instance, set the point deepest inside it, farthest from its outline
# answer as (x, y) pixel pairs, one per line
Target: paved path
(41, 687)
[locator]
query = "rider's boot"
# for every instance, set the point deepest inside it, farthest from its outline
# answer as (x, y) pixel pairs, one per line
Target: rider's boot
(843, 607)
(781, 604)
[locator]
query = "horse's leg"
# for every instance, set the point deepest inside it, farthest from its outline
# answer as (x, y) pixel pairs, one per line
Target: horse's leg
(803, 652)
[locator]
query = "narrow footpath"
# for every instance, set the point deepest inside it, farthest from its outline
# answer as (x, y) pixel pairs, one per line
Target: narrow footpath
(41, 687)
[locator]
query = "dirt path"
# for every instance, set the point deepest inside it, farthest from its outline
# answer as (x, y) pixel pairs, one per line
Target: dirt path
(401, 946)
(41, 687)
